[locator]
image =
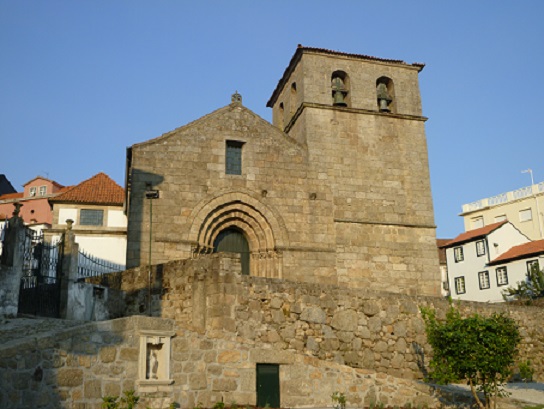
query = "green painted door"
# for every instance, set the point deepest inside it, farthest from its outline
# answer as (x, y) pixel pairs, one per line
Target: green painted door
(268, 385)
(232, 240)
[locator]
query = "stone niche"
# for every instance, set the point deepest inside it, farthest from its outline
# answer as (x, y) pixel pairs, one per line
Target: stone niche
(154, 362)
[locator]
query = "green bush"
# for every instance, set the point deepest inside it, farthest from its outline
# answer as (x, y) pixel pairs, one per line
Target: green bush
(478, 350)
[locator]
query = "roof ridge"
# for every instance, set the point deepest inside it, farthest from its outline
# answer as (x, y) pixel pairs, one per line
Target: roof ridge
(98, 189)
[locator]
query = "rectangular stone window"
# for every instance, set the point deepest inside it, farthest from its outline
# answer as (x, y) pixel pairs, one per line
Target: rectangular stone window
(91, 217)
(460, 285)
(233, 157)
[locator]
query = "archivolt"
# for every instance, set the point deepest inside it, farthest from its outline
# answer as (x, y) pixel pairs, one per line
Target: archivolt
(263, 229)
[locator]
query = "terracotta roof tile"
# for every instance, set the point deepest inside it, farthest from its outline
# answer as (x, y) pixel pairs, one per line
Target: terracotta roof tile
(100, 189)
(474, 234)
(533, 248)
(11, 196)
(440, 243)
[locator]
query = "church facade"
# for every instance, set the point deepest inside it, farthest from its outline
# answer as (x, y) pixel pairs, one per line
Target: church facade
(335, 191)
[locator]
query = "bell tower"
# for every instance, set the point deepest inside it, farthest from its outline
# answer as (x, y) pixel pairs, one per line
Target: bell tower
(361, 121)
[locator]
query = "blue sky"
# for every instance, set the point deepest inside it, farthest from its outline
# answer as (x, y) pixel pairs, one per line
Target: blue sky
(82, 80)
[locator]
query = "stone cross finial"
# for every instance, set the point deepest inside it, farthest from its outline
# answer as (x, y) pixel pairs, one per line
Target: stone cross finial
(236, 98)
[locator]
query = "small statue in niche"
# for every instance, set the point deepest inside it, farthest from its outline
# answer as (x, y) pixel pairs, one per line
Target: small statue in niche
(384, 99)
(152, 362)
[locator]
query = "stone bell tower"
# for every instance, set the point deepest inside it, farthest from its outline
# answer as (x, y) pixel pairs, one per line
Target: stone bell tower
(361, 121)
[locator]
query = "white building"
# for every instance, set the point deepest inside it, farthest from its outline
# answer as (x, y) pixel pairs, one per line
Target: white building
(523, 207)
(100, 225)
(476, 272)
(515, 264)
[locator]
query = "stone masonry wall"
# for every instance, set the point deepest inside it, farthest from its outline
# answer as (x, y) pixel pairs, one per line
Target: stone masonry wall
(63, 365)
(363, 329)
(74, 366)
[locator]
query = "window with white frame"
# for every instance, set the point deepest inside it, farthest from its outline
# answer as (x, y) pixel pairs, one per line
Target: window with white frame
(43, 190)
(502, 276)
(500, 218)
(532, 264)
(525, 215)
(32, 191)
(477, 222)
(460, 285)
(483, 279)
(480, 248)
(458, 254)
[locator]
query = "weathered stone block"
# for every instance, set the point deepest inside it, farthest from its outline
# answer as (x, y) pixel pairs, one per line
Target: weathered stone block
(228, 356)
(224, 385)
(345, 320)
(93, 389)
(69, 377)
(313, 314)
(198, 381)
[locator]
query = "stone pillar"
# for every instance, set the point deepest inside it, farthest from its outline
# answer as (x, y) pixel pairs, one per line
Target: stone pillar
(68, 276)
(11, 265)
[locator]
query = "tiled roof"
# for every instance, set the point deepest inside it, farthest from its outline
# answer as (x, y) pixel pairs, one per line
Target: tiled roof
(440, 243)
(302, 49)
(533, 248)
(100, 189)
(44, 178)
(11, 196)
(475, 234)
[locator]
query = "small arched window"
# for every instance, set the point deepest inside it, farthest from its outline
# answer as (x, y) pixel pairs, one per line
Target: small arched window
(385, 94)
(293, 101)
(281, 118)
(340, 89)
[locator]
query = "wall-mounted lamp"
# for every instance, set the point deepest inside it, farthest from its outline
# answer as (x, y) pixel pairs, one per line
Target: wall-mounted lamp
(152, 194)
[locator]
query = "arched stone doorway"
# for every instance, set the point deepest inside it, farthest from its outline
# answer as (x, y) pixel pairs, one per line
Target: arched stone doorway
(232, 240)
(261, 227)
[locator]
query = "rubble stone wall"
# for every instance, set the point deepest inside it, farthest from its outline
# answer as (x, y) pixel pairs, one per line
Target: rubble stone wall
(372, 330)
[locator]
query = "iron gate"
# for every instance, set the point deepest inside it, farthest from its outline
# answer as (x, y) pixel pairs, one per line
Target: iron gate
(40, 285)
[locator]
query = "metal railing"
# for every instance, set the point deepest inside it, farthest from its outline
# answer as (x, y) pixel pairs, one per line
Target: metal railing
(92, 266)
(504, 197)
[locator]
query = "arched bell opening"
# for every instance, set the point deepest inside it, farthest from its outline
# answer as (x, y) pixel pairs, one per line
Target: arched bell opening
(233, 240)
(385, 95)
(340, 87)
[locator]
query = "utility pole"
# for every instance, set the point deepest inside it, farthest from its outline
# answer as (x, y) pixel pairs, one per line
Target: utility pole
(150, 194)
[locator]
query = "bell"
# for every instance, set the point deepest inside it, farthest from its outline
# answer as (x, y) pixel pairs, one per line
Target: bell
(384, 105)
(338, 99)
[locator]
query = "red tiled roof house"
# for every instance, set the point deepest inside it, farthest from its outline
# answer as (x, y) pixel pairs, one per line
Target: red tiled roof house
(100, 225)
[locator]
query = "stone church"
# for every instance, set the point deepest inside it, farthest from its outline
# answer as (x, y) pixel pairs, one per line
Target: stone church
(335, 191)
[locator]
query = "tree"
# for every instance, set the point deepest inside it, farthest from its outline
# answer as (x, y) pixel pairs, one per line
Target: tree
(527, 290)
(476, 349)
